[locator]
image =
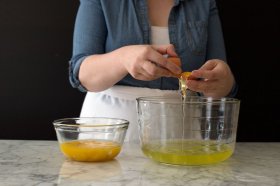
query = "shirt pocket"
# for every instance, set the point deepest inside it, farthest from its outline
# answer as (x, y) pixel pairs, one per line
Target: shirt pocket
(196, 35)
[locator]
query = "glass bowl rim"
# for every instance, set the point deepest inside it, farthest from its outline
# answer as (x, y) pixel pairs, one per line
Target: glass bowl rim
(190, 99)
(58, 122)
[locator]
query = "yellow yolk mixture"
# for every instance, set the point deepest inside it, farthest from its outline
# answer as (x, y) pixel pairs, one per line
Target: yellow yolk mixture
(182, 83)
(90, 150)
(187, 152)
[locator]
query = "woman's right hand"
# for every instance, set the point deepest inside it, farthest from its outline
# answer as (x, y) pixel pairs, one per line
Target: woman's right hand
(146, 62)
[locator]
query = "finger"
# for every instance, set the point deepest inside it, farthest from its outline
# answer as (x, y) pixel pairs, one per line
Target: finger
(154, 70)
(202, 86)
(173, 68)
(175, 60)
(204, 74)
(209, 65)
(205, 71)
(144, 76)
(161, 61)
(166, 49)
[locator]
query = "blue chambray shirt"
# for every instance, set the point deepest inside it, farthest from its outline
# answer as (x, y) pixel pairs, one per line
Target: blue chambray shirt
(104, 25)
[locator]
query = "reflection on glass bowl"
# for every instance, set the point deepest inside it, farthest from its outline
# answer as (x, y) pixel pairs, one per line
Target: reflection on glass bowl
(72, 172)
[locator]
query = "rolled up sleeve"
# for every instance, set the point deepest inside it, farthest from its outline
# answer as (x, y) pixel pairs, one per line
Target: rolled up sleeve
(74, 67)
(215, 45)
(89, 37)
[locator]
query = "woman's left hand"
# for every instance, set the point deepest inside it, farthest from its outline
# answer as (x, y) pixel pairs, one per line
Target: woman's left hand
(216, 79)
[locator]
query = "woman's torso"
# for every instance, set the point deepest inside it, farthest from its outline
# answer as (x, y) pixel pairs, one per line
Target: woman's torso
(105, 25)
(127, 23)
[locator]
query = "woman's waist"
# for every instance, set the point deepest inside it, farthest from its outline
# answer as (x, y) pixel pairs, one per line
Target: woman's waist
(163, 83)
(131, 93)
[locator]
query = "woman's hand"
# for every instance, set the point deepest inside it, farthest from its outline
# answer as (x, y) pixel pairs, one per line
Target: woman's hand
(146, 62)
(216, 79)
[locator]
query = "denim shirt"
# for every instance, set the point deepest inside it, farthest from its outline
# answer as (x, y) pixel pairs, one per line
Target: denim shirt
(105, 25)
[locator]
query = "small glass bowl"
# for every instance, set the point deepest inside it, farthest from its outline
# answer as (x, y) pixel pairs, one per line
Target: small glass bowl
(90, 139)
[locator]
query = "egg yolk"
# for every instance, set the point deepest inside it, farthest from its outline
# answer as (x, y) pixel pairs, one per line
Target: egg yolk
(90, 150)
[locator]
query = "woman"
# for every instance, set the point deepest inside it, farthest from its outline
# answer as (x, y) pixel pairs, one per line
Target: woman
(120, 47)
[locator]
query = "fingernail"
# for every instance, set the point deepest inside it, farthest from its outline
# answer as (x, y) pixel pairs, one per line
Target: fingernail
(178, 70)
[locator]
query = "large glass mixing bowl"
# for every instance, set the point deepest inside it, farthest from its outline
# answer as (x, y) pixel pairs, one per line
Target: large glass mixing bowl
(196, 131)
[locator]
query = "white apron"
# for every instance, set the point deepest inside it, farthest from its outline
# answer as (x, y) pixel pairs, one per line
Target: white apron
(120, 102)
